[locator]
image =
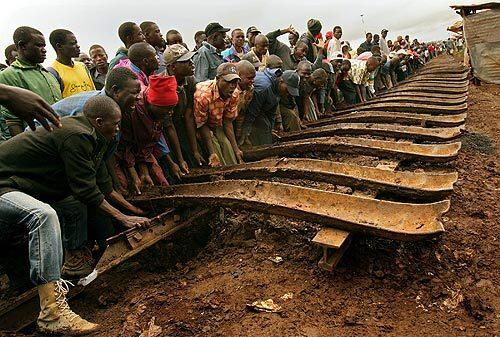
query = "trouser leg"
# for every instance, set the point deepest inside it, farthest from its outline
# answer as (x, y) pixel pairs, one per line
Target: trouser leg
(224, 144)
(73, 218)
(21, 212)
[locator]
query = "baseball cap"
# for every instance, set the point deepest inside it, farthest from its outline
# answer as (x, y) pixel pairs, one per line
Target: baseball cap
(215, 27)
(253, 59)
(384, 30)
(228, 71)
(292, 81)
(176, 53)
(252, 29)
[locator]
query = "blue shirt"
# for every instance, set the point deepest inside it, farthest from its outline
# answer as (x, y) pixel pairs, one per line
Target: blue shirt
(231, 55)
(206, 62)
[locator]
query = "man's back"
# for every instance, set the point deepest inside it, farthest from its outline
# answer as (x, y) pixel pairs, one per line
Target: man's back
(53, 165)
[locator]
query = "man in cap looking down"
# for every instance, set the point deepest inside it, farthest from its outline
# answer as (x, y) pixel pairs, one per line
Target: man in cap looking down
(215, 108)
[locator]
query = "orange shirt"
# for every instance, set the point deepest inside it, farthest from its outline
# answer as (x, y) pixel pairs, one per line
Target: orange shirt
(210, 108)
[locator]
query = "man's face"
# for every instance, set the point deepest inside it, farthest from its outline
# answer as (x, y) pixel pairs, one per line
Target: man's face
(34, 51)
(376, 39)
(12, 57)
(151, 62)
(99, 57)
(128, 96)
(110, 125)
(184, 68)
(282, 88)
(292, 39)
(160, 112)
(86, 60)
(304, 72)
(238, 38)
(247, 79)
(153, 36)
(384, 34)
(317, 81)
(137, 36)
(345, 67)
(337, 33)
(70, 46)
(226, 88)
(174, 39)
(300, 52)
(262, 46)
(336, 64)
(200, 39)
(369, 38)
(251, 38)
(219, 40)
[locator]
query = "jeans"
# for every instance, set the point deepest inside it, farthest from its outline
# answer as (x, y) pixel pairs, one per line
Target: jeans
(79, 222)
(21, 213)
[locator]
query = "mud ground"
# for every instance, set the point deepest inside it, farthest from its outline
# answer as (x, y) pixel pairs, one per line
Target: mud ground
(200, 282)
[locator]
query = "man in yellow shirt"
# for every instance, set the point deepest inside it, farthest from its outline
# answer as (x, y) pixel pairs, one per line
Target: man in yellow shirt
(73, 76)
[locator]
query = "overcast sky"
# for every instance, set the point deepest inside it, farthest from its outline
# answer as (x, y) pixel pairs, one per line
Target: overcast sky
(97, 21)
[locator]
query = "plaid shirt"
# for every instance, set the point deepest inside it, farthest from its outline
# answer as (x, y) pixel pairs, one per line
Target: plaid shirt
(210, 108)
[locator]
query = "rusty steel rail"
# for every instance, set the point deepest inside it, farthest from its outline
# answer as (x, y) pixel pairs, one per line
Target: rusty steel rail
(418, 186)
(402, 97)
(391, 117)
(433, 109)
(381, 130)
(437, 153)
(392, 220)
(418, 93)
(428, 89)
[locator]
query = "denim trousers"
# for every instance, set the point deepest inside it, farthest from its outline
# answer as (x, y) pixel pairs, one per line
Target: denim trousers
(80, 223)
(25, 215)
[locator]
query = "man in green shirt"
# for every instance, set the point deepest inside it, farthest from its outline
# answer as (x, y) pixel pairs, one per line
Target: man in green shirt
(28, 73)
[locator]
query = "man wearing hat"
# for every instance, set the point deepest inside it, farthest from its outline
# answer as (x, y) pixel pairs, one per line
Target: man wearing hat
(209, 58)
(252, 32)
(289, 117)
(215, 108)
(311, 38)
(260, 116)
(142, 130)
(179, 62)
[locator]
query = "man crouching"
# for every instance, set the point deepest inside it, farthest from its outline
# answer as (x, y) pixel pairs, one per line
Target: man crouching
(41, 168)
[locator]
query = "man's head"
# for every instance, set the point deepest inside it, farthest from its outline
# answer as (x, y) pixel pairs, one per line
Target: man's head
(152, 33)
(252, 32)
(293, 38)
(179, 61)
(104, 115)
(30, 44)
(300, 50)
(238, 38)
(173, 37)
(372, 63)
(376, 50)
(304, 69)
(98, 55)
(247, 73)
(337, 32)
(318, 78)
(376, 39)
(369, 37)
(407, 38)
(261, 45)
(130, 33)
(10, 54)
(143, 55)
(161, 96)
(274, 62)
(345, 66)
(199, 37)
(85, 59)
(216, 34)
(336, 63)
(253, 59)
(123, 87)
(227, 79)
(64, 43)
(290, 84)
(314, 26)
(384, 33)
(399, 39)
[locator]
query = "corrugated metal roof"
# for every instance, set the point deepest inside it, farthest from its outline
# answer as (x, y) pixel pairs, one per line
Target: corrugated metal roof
(482, 35)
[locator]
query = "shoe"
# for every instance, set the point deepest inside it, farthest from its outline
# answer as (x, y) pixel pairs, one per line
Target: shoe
(78, 263)
(56, 317)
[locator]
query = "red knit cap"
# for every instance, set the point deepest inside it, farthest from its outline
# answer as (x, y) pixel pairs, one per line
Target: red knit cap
(162, 90)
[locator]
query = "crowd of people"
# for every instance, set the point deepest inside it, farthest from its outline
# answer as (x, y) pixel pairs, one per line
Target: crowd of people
(149, 115)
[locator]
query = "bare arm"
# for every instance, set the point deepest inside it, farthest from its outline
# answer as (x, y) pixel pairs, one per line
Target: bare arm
(127, 221)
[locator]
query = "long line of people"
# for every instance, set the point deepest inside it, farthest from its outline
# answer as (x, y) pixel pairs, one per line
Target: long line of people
(147, 117)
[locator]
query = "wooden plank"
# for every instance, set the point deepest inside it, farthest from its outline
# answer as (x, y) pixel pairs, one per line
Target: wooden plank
(331, 237)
